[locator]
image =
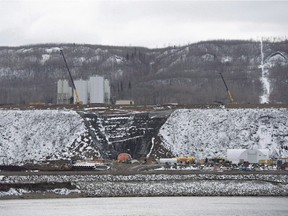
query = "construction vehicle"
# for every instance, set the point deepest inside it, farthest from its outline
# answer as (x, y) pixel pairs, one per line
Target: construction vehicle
(78, 101)
(232, 101)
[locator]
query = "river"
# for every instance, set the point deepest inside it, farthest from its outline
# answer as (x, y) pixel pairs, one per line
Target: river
(138, 206)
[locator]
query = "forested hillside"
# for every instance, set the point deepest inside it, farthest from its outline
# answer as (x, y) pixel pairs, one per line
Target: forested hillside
(187, 74)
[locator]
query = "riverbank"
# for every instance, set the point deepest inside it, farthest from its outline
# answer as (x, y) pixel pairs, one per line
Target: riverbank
(39, 185)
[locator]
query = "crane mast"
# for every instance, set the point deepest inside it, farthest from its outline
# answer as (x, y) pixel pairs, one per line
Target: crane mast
(228, 91)
(78, 101)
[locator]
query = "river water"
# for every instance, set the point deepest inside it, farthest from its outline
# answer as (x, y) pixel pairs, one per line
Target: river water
(148, 206)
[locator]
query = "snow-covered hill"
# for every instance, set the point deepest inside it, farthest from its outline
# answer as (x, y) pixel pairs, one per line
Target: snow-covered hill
(210, 132)
(38, 135)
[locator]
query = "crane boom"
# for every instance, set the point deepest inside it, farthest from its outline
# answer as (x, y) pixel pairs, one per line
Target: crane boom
(228, 91)
(78, 101)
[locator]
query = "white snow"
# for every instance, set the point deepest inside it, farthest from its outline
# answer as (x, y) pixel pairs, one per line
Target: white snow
(114, 60)
(151, 149)
(64, 191)
(264, 98)
(24, 50)
(270, 61)
(53, 49)
(79, 61)
(45, 57)
(37, 134)
(60, 134)
(226, 59)
(13, 192)
(209, 133)
(276, 58)
(20, 192)
(208, 57)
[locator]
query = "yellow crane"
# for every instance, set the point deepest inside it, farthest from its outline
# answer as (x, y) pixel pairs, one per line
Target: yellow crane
(78, 101)
(232, 101)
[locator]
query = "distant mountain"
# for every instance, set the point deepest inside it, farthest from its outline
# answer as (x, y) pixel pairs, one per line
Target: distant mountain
(187, 74)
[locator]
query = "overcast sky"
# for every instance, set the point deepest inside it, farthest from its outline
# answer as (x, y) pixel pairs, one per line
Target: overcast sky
(138, 22)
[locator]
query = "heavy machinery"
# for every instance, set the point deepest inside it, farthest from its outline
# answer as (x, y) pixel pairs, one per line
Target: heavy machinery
(232, 101)
(78, 101)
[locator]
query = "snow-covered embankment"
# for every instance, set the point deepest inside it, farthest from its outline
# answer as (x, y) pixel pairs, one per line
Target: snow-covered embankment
(210, 132)
(38, 135)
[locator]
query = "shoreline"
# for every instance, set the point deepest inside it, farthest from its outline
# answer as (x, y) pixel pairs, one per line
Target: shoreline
(93, 184)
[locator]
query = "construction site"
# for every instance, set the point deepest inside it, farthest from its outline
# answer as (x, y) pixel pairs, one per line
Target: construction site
(91, 133)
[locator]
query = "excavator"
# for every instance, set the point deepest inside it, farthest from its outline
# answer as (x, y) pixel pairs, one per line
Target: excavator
(232, 101)
(78, 101)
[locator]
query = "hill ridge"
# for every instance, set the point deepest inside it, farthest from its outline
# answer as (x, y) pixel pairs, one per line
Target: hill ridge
(186, 75)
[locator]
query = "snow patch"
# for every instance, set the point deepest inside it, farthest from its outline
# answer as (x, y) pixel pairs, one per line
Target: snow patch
(208, 57)
(45, 57)
(53, 50)
(114, 60)
(264, 98)
(64, 191)
(13, 192)
(152, 146)
(24, 50)
(226, 59)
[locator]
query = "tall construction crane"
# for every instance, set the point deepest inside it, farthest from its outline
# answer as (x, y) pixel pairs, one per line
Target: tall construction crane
(78, 101)
(228, 91)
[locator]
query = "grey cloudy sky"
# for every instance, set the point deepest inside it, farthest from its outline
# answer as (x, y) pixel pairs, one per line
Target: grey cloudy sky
(146, 23)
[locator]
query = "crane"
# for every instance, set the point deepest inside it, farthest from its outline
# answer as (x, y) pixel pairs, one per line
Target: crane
(78, 101)
(228, 91)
